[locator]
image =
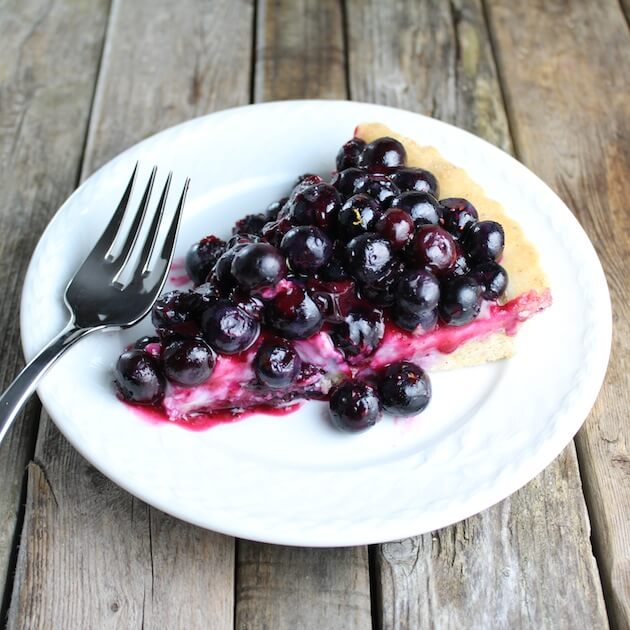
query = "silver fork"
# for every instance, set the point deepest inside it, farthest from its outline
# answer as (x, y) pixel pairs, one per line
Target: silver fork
(97, 298)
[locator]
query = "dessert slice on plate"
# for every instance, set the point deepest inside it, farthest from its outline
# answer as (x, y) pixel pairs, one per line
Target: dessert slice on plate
(346, 291)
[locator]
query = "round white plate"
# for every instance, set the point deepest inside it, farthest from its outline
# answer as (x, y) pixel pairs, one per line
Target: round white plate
(294, 480)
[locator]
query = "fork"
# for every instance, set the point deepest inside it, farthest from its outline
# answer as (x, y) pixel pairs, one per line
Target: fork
(97, 297)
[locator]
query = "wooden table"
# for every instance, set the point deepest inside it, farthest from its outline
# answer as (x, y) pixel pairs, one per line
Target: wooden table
(546, 80)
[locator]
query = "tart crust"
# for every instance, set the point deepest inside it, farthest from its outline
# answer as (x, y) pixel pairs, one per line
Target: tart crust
(520, 258)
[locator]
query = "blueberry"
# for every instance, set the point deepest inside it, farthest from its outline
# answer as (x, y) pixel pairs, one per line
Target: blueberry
(335, 269)
(415, 179)
(258, 265)
(277, 363)
(383, 155)
(493, 279)
(417, 291)
(242, 238)
(188, 362)
(458, 215)
(253, 305)
(228, 329)
(359, 334)
(357, 216)
(396, 225)
(250, 224)
(347, 182)
(354, 406)
(271, 214)
(274, 231)
(484, 241)
(314, 205)
(369, 258)
(434, 248)
(177, 311)
(422, 206)
(379, 187)
(138, 377)
(222, 275)
(307, 248)
(293, 314)
(334, 299)
(350, 154)
(143, 342)
(410, 320)
(202, 257)
(460, 300)
(405, 389)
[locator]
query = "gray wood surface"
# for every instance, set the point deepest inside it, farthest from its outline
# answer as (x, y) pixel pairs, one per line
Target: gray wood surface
(569, 108)
(48, 62)
(478, 573)
(300, 55)
(92, 556)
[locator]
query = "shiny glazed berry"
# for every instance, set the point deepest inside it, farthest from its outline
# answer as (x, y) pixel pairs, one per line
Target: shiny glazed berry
(274, 231)
(315, 205)
(434, 248)
(359, 334)
(380, 188)
(143, 342)
(228, 329)
(349, 181)
(335, 269)
(350, 154)
(410, 320)
(396, 225)
(415, 179)
(250, 224)
(354, 406)
(188, 362)
(307, 248)
(369, 258)
(334, 299)
(417, 291)
(405, 389)
(271, 214)
(458, 215)
(493, 279)
(293, 314)
(460, 300)
(175, 310)
(258, 265)
(276, 363)
(251, 304)
(383, 155)
(241, 239)
(138, 377)
(202, 257)
(484, 241)
(357, 216)
(423, 207)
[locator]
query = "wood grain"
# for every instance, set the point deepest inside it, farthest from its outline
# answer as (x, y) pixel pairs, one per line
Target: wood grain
(299, 55)
(526, 562)
(569, 107)
(92, 556)
(48, 68)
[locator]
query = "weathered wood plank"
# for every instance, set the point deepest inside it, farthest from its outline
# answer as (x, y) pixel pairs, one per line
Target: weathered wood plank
(93, 556)
(299, 55)
(48, 68)
(526, 562)
(567, 80)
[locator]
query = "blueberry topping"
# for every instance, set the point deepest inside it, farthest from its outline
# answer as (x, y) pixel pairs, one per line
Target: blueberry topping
(417, 291)
(250, 224)
(460, 301)
(415, 179)
(458, 215)
(379, 187)
(369, 258)
(354, 406)
(277, 363)
(349, 181)
(138, 377)
(334, 299)
(228, 329)
(143, 342)
(176, 310)
(292, 314)
(258, 265)
(271, 214)
(423, 207)
(314, 205)
(434, 248)
(405, 389)
(410, 320)
(350, 154)
(358, 215)
(202, 257)
(274, 231)
(396, 225)
(493, 279)
(307, 248)
(188, 362)
(359, 334)
(251, 304)
(484, 241)
(335, 269)
(383, 155)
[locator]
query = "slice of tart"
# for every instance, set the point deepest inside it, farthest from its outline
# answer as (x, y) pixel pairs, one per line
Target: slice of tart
(346, 291)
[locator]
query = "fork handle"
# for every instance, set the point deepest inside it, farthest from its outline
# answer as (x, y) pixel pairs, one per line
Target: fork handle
(26, 381)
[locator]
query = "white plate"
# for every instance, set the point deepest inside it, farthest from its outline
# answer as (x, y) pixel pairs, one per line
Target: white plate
(292, 479)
